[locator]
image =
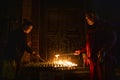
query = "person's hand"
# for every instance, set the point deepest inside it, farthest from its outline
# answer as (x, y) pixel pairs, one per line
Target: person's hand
(77, 52)
(36, 54)
(33, 52)
(101, 55)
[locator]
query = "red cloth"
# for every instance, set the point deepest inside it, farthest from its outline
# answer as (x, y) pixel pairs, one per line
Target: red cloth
(95, 69)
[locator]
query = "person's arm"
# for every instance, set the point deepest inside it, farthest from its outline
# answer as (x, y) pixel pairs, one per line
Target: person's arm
(29, 49)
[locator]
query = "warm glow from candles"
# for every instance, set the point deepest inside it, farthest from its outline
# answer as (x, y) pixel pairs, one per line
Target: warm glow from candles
(64, 63)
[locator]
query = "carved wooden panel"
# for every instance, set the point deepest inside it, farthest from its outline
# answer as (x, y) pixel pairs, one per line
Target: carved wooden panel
(64, 30)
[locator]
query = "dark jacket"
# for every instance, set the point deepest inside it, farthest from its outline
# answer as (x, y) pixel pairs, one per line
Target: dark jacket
(101, 37)
(17, 44)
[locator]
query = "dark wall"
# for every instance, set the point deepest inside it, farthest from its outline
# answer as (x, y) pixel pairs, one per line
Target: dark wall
(11, 8)
(10, 17)
(107, 9)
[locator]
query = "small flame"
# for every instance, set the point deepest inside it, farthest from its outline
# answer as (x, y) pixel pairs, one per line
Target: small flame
(57, 55)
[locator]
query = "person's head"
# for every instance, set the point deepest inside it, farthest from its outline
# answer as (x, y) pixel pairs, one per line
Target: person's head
(91, 18)
(27, 27)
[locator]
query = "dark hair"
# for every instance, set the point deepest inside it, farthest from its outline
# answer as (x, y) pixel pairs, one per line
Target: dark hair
(92, 16)
(26, 24)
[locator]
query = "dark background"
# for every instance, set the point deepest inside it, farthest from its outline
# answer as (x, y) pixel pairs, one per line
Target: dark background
(59, 24)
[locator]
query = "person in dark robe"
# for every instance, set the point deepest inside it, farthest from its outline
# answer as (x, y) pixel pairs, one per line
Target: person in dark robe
(100, 39)
(17, 44)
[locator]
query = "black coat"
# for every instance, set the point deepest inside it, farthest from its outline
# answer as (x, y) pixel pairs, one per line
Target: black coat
(17, 44)
(100, 37)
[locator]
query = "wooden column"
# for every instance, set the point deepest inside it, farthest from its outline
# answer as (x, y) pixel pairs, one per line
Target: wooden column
(27, 9)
